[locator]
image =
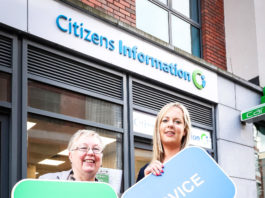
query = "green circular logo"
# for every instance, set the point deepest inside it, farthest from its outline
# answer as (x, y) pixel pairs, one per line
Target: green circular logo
(199, 85)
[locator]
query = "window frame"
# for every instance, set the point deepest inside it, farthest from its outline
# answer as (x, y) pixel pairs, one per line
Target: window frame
(168, 8)
(84, 60)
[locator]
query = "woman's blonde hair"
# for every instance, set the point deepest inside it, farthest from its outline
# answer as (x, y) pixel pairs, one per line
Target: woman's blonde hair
(84, 133)
(158, 150)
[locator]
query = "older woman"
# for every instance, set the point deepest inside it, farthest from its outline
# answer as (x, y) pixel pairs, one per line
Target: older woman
(171, 134)
(85, 153)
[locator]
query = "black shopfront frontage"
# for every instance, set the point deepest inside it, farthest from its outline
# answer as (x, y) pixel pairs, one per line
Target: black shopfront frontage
(48, 91)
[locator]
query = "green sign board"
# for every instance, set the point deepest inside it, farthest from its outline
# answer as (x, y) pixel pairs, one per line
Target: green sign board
(32, 188)
(256, 113)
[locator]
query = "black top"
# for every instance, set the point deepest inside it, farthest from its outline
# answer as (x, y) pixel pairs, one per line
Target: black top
(141, 173)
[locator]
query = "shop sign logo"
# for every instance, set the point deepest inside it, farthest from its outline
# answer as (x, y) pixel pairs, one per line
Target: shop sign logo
(200, 85)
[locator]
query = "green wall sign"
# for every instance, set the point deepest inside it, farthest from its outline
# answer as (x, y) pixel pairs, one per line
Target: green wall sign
(256, 113)
(30, 188)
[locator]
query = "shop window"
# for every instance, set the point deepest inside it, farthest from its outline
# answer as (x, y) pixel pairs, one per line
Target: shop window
(5, 87)
(175, 22)
(48, 140)
(141, 157)
(57, 100)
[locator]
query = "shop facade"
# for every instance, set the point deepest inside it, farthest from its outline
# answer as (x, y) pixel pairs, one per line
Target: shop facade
(63, 69)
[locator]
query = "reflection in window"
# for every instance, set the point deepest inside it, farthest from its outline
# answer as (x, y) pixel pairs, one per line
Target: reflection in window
(182, 6)
(163, 1)
(5, 87)
(195, 41)
(259, 138)
(73, 104)
(174, 21)
(141, 157)
(152, 19)
(181, 35)
(48, 140)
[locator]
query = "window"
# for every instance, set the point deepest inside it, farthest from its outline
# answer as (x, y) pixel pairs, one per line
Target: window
(5, 87)
(57, 100)
(141, 157)
(48, 140)
(175, 22)
(55, 114)
(155, 24)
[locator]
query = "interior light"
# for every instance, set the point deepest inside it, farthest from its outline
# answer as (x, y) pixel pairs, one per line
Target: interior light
(30, 125)
(64, 152)
(51, 162)
(107, 140)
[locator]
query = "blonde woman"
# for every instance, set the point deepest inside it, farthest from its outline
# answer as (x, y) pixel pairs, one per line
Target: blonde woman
(171, 134)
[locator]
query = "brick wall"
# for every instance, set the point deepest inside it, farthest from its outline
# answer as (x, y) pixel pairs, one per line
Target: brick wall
(123, 10)
(213, 32)
(212, 15)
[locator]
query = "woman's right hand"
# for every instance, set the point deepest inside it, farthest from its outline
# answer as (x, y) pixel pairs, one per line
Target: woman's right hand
(155, 167)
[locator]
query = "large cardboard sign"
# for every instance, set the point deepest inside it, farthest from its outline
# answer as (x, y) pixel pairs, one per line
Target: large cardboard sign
(30, 188)
(192, 173)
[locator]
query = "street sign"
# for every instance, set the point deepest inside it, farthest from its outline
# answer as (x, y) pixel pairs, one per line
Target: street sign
(192, 173)
(254, 114)
(33, 188)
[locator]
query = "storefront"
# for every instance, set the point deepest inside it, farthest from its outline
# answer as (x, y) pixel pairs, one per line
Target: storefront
(62, 69)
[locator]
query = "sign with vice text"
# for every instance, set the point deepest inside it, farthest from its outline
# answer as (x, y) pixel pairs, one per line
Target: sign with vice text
(192, 173)
(254, 114)
(32, 188)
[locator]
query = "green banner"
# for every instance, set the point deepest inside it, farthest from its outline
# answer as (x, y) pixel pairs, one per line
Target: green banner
(30, 188)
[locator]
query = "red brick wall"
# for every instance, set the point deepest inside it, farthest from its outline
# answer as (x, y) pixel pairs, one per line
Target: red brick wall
(212, 15)
(213, 32)
(123, 10)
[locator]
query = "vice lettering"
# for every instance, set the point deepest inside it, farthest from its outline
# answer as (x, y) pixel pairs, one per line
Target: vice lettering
(186, 187)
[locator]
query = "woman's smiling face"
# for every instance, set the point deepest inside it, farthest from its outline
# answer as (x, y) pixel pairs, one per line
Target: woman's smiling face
(84, 161)
(172, 127)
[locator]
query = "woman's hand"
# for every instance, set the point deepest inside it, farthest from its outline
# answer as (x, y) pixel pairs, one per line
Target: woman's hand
(155, 167)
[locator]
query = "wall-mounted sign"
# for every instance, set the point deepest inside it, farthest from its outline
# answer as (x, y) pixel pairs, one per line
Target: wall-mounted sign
(192, 173)
(143, 123)
(86, 34)
(110, 176)
(253, 114)
(200, 137)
